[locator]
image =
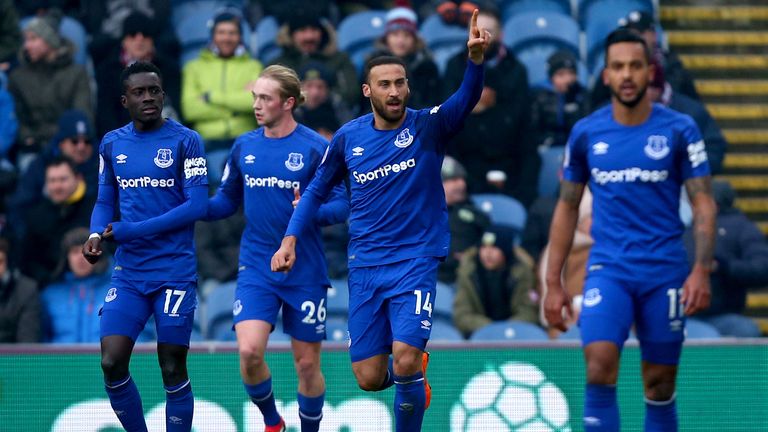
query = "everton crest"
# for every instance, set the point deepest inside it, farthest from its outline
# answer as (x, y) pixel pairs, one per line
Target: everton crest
(657, 147)
(164, 158)
(404, 138)
(295, 161)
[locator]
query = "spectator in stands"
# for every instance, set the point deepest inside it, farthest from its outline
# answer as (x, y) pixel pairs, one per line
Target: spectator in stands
(308, 38)
(466, 222)
(218, 249)
(45, 84)
(68, 204)
(558, 104)
(741, 263)
(19, 303)
(216, 97)
(322, 111)
(677, 75)
(137, 44)
(74, 140)
(456, 11)
(71, 304)
(10, 36)
(401, 39)
(496, 146)
(662, 92)
(495, 283)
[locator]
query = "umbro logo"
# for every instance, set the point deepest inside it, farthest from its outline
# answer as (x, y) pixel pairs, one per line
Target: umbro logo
(600, 148)
(121, 158)
(434, 110)
(250, 158)
(357, 151)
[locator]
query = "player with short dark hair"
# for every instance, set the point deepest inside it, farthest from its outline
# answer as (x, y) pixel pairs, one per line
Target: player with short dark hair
(398, 224)
(155, 169)
(635, 156)
(266, 171)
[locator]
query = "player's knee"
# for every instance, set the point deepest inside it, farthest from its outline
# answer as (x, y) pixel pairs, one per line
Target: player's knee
(407, 363)
(307, 368)
(114, 369)
(251, 356)
(602, 371)
(659, 387)
(368, 380)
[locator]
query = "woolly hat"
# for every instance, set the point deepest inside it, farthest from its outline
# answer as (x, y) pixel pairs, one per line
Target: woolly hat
(638, 20)
(47, 28)
(452, 169)
(73, 123)
(401, 18)
(502, 237)
(227, 15)
(560, 60)
(316, 70)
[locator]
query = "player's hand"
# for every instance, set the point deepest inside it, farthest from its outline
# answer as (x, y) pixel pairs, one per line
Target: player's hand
(285, 257)
(696, 292)
(478, 42)
(296, 197)
(92, 250)
(557, 306)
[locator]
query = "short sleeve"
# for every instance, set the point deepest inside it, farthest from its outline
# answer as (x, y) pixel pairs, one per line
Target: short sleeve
(575, 164)
(195, 172)
(693, 152)
(106, 173)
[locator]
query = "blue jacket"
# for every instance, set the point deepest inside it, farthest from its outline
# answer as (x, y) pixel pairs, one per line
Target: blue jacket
(9, 125)
(71, 308)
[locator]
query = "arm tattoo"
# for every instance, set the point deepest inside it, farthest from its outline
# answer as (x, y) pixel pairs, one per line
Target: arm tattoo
(571, 192)
(700, 193)
(697, 185)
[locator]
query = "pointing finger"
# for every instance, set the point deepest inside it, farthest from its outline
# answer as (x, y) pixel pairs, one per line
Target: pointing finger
(473, 27)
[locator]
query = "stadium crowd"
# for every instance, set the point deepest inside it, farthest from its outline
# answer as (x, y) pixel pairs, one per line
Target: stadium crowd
(59, 94)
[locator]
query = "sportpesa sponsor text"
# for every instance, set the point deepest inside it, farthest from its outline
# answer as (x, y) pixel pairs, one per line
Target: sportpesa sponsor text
(384, 171)
(629, 175)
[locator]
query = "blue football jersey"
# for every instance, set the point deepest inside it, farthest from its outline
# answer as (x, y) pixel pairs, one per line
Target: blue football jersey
(397, 207)
(149, 171)
(635, 174)
(262, 173)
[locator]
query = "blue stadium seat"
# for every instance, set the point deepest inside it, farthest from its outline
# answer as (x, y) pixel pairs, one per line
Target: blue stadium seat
(437, 34)
(71, 29)
(193, 27)
(573, 333)
(502, 209)
(509, 330)
(542, 28)
(149, 333)
(358, 32)
(686, 211)
(442, 306)
(696, 329)
(535, 57)
(600, 17)
(336, 329)
(443, 330)
(443, 54)
(589, 9)
(218, 307)
(338, 298)
(549, 174)
(278, 335)
(265, 47)
(510, 8)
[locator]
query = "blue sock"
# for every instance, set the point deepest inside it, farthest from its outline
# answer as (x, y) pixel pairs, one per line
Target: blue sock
(389, 381)
(310, 412)
(661, 416)
(601, 411)
(261, 394)
(410, 399)
(126, 402)
(179, 407)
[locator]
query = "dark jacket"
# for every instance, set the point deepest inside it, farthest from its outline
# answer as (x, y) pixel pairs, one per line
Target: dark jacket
(218, 247)
(467, 224)
(469, 312)
(553, 114)
(10, 35)
(44, 90)
(19, 309)
(710, 132)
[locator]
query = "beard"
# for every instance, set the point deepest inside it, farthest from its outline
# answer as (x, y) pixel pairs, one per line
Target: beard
(380, 108)
(632, 102)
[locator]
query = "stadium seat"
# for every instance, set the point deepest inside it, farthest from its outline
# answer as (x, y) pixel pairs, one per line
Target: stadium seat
(338, 298)
(549, 174)
(265, 47)
(573, 333)
(696, 329)
(437, 34)
(541, 28)
(686, 211)
(509, 330)
(278, 335)
(218, 306)
(442, 306)
(71, 29)
(443, 330)
(510, 8)
(590, 9)
(336, 329)
(502, 209)
(599, 18)
(442, 55)
(358, 32)
(149, 333)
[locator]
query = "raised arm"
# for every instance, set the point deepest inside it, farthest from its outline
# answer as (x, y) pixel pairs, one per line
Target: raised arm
(560, 241)
(696, 291)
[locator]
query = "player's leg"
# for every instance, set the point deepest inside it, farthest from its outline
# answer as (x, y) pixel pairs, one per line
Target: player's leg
(254, 317)
(660, 325)
(174, 308)
(410, 317)
(606, 317)
(304, 316)
(123, 316)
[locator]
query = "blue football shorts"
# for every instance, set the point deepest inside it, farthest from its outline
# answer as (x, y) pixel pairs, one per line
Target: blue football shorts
(304, 307)
(129, 304)
(391, 302)
(611, 304)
